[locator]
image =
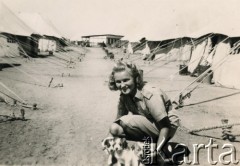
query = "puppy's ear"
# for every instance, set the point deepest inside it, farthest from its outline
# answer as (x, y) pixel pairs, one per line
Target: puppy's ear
(124, 142)
(123, 139)
(104, 147)
(133, 147)
(105, 143)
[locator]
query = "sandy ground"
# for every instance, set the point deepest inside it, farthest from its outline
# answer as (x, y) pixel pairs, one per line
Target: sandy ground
(73, 119)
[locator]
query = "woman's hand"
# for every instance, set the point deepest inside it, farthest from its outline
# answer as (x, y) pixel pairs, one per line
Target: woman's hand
(164, 126)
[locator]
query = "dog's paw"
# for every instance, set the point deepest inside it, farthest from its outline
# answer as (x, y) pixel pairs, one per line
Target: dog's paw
(111, 160)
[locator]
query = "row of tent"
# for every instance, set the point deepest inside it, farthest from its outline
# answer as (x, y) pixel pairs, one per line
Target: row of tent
(218, 51)
(28, 34)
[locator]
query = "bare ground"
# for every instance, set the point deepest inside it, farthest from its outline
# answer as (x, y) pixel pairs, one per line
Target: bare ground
(73, 119)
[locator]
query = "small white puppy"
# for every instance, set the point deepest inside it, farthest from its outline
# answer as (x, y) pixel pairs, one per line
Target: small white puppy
(119, 152)
(108, 147)
(125, 155)
(108, 144)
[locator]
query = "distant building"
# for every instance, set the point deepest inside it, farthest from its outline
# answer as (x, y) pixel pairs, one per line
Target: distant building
(96, 40)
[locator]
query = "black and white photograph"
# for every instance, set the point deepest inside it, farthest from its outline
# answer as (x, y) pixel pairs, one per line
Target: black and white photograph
(120, 82)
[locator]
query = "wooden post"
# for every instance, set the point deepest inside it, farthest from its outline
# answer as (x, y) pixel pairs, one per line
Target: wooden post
(50, 82)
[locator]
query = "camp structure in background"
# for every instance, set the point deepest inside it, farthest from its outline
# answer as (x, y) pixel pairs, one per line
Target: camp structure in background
(161, 49)
(142, 49)
(206, 49)
(47, 38)
(200, 53)
(8, 46)
(153, 47)
(176, 52)
(226, 63)
(228, 75)
(214, 54)
(123, 44)
(218, 49)
(169, 50)
(15, 35)
(99, 40)
(130, 47)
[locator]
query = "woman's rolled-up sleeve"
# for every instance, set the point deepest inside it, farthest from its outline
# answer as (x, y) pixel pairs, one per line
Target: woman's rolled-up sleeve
(156, 107)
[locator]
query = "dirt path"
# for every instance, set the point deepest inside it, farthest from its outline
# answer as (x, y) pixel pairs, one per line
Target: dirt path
(72, 124)
(86, 112)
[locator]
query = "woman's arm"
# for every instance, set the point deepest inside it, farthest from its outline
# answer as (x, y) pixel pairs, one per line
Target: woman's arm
(164, 134)
(122, 110)
(157, 108)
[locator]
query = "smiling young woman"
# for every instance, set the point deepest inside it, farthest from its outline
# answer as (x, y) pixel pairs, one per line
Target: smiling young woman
(142, 109)
(125, 83)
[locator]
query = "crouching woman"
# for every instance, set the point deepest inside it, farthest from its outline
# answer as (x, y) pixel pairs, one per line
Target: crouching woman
(142, 109)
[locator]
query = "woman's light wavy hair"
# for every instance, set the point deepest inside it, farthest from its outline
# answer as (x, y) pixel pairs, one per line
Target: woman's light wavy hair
(131, 69)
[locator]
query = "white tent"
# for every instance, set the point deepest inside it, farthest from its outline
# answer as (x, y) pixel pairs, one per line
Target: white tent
(173, 54)
(197, 55)
(228, 74)
(222, 51)
(206, 57)
(129, 48)
(10, 23)
(43, 27)
(185, 54)
(146, 50)
(173, 50)
(40, 25)
(46, 45)
(8, 48)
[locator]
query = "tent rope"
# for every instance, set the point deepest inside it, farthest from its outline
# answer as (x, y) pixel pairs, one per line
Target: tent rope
(182, 128)
(217, 65)
(22, 100)
(157, 67)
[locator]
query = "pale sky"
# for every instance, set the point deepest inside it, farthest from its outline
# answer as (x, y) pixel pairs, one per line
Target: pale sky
(153, 19)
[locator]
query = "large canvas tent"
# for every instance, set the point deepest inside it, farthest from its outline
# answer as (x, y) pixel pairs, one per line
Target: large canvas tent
(228, 75)
(124, 44)
(202, 45)
(142, 48)
(45, 34)
(131, 46)
(186, 53)
(8, 46)
(10, 23)
(171, 49)
(217, 51)
(39, 24)
(15, 34)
